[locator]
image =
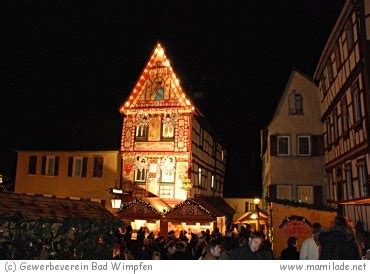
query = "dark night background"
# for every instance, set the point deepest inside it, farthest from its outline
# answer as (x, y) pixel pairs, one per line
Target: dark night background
(67, 67)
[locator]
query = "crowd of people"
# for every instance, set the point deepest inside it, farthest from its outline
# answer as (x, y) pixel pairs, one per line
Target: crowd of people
(338, 242)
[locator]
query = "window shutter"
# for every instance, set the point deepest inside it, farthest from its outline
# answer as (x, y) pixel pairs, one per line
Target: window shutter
(101, 165)
(273, 145)
(272, 192)
(95, 170)
(317, 145)
(43, 165)
(84, 167)
(70, 166)
(56, 167)
(32, 162)
(317, 195)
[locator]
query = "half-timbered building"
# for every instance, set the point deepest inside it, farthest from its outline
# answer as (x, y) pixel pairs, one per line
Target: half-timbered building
(342, 74)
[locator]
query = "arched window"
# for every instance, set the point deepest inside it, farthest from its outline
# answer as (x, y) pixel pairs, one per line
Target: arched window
(295, 103)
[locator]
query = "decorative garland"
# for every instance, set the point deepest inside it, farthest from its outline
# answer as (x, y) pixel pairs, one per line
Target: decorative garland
(302, 205)
(142, 118)
(169, 118)
(294, 218)
(141, 162)
(168, 164)
(140, 201)
(189, 202)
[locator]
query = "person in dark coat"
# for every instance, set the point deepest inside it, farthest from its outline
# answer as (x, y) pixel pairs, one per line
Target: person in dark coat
(248, 248)
(290, 253)
(338, 243)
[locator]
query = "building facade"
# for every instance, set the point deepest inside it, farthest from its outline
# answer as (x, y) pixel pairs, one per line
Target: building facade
(343, 77)
(73, 174)
(291, 145)
(166, 148)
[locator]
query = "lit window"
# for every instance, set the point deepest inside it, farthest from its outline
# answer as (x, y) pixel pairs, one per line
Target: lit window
(77, 167)
(304, 146)
(283, 145)
(167, 191)
(213, 181)
(50, 165)
(305, 194)
(222, 155)
(167, 131)
(200, 176)
(141, 131)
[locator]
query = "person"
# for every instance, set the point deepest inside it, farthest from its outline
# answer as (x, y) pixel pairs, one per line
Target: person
(248, 249)
(156, 255)
(310, 248)
(213, 250)
(290, 253)
(200, 246)
(338, 243)
(180, 253)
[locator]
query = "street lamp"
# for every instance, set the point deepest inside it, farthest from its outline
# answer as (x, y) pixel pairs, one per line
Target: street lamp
(257, 201)
(118, 193)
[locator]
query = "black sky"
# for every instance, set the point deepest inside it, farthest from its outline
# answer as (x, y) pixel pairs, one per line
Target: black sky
(67, 67)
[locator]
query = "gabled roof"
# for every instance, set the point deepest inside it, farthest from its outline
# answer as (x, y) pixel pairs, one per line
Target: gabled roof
(248, 216)
(190, 210)
(142, 208)
(217, 205)
(30, 207)
(287, 90)
(157, 86)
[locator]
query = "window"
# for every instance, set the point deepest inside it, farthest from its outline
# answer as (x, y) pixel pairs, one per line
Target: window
(330, 70)
(345, 123)
(249, 207)
(328, 132)
(32, 162)
(295, 103)
(168, 176)
(284, 192)
(140, 175)
(362, 179)
(141, 131)
(349, 33)
(323, 83)
(222, 155)
(283, 145)
(338, 58)
(98, 166)
(167, 131)
(167, 191)
(304, 146)
(305, 194)
(200, 176)
(77, 167)
(356, 103)
(329, 183)
(213, 181)
(335, 124)
(50, 165)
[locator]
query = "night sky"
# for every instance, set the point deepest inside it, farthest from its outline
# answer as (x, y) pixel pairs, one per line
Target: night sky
(67, 66)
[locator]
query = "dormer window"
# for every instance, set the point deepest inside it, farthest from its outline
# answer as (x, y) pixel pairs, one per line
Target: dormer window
(295, 103)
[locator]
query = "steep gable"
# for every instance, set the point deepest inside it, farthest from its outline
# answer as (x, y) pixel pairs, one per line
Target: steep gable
(157, 86)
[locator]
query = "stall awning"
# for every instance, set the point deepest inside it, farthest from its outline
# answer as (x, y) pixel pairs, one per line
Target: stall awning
(34, 207)
(363, 201)
(190, 211)
(252, 216)
(143, 209)
(216, 205)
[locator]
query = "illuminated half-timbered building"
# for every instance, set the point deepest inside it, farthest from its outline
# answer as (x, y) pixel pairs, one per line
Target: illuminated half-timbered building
(168, 151)
(342, 74)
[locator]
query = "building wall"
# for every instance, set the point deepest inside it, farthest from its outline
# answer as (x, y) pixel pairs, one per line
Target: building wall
(342, 72)
(62, 185)
(208, 157)
(294, 170)
(241, 206)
